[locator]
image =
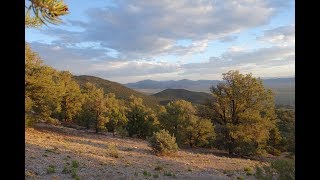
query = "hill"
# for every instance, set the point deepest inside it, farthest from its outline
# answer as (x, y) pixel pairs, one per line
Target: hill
(119, 90)
(52, 151)
(199, 85)
(177, 94)
(284, 88)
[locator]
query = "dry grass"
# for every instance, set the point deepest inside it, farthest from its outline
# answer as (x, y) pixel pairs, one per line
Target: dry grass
(126, 158)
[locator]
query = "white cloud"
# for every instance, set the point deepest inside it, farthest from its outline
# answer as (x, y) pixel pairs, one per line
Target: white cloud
(261, 61)
(145, 29)
(281, 36)
(122, 42)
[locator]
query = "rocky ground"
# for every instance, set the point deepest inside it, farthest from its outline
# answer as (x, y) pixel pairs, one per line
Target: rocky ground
(64, 153)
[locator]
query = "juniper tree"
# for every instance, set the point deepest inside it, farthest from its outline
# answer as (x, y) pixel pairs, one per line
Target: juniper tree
(179, 118)
(115, 113)
(142, 121)
(41, 88)
(71, 97)
(94, 106)
(245, 110)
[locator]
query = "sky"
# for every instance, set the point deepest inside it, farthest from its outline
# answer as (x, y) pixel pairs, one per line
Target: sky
(132, 40)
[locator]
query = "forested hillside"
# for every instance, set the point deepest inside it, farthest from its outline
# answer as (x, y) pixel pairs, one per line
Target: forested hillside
(182, 94)
(121, 92)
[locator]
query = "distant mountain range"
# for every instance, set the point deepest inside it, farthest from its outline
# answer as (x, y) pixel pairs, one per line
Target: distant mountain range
(284, 88)
(197, 92)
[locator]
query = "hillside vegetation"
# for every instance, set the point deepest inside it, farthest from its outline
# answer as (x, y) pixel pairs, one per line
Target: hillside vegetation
(182, 94)
(119, 90)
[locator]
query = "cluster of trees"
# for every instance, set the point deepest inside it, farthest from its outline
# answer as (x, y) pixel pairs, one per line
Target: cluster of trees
(241, 119)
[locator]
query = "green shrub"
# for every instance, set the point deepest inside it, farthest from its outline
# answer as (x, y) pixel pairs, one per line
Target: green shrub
(249, 171)
(284, 169)
(169, 174)
(66, 170)
(240, 178)
(146, 173)
(113, 151)
(122, 132)
(51, 169)
(276, 152)
(259, 173)
(53, 121)
(74, 174)
(163, 143)
(75, 164)
(158, 168)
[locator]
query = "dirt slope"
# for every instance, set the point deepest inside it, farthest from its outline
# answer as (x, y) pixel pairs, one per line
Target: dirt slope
(59, 146)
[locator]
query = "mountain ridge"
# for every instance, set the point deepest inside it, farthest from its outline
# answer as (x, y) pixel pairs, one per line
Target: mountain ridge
(284, 88)
(168, 95)
(121, 91)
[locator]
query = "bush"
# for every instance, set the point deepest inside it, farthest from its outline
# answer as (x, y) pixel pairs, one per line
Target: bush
(53, 121)
(122, 132)
(113, 151)
(158, 168)
(163, 143)
(66, 170)
(74, 174)
(282, 168)
(51, 169)
(146, 173)
(75, 164)
(249, 171)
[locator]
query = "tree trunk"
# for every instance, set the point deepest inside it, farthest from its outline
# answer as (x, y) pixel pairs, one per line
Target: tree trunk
(190, 141)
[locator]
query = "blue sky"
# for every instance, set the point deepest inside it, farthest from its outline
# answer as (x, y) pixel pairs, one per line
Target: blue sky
(132, 40)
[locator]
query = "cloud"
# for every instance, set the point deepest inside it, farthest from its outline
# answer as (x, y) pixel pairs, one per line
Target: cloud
(93, 61)
(261, 61)
(228, 38)
(145, 29)
(281, 36)
(133, 68)
(122, 42)
(75, 59)
(264, 62)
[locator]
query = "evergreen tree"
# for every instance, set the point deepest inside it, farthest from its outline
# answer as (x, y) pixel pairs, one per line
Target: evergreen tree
(94, 107)
(286, 126)
(199, 132)
(176, 118)
(273, 144)
(41, 88)
(142, 121)
(246, 112)
(71, 97)
(180, 120)
(115, 113)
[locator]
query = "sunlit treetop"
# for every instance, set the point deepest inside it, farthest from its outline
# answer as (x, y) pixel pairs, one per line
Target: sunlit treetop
(41, 12)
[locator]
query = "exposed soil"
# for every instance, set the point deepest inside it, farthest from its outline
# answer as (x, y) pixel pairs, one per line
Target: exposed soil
(58, 146)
